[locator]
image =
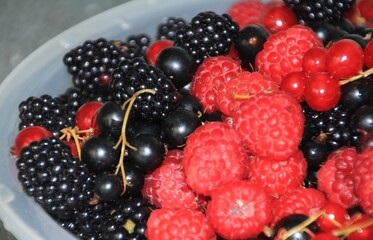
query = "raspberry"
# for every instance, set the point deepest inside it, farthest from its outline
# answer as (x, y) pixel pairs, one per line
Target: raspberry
(284, 50)
(335, 177)
(246, 12)
(363, 179)
(232, 93)
(239, 210)
(305, 201)
(278, 177)
(178, 224)
(270, 124)
(166, 186)
(213, 155)
(209, 75)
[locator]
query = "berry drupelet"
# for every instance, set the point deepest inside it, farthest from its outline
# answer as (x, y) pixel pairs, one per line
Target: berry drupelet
(208, 34)
(320, 9)
(135, 75)
(46, 111)
(57, 181)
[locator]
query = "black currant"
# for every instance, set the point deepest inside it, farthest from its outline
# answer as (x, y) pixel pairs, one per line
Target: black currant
(99, 154)
(108, 187)
(149, 152)
(177, 65)
(110, 119)
(362, 118)
(315, 153)
(293, 221)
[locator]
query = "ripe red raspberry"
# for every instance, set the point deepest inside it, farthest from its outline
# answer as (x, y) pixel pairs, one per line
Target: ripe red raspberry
(284, 50)
(246, 12)
(178, 224)
(234, 92)
(278, 177)
(213, 155)
(209, 75)
(363, 179)
(166, 186)
(239, 210)
(335, 177)
(305, 201)
(270, 124)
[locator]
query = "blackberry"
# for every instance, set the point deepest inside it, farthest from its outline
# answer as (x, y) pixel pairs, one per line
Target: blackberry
(46, 111)
(329, 10)
(127, 217)
(329, 127)
(134, 75)
(168, 28)
(135, 45)
(74, 97)
(57, 181)
(92, 62)
(207, 35)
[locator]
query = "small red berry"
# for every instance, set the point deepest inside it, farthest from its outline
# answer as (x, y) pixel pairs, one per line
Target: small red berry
(344, 59)
(28, 135)
(85, 118)
(155, 48)
(335, 217)
(294, 83)
(322, 91)
(279, 18)
(368, 54)
(314, 60)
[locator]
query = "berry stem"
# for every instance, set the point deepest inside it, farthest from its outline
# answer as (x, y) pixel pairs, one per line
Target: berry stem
(73, 132)
(356, 77)
(300, 227)
(122, 139)
(354, 227)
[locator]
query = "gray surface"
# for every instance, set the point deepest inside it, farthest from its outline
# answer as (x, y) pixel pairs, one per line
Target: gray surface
(27, 24)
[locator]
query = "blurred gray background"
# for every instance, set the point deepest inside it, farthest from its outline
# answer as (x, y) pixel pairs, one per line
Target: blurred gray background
(27, 24)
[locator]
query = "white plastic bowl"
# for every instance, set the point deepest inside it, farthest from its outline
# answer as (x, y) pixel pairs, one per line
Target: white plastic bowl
(43, 72)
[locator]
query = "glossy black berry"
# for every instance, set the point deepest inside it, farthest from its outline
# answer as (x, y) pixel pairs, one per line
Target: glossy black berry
(46, 111)
(208, 34)
(57, 181)
(168, 28)
(315, 153)
(136, 127)
(250, 41)
(293, 221)
(135, 179)
(92, 61)
(362, 118)
(135, 75)
(177, 65)
(178, 125)
(357, 93)
(149, 152)
(110, 119)
(108, 187)
(189, 102)
(99, 154)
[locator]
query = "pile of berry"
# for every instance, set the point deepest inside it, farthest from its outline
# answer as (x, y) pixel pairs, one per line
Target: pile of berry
(253, 124)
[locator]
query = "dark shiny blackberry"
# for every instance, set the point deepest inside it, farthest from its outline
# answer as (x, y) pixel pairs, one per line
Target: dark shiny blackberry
(330, 127)
(92, 62)
(126, 217)
(168, 28)
(328, 10)
(135, 45)
(74, 97)
(134, 75)
(45, 111)
(207, 35)
(57, 181)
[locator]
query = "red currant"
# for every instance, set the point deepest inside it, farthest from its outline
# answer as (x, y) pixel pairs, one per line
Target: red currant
(368, 54)
(314, 60)
(279, 18)
(344, 59)
(363, 233)
(294, 83)
(28, 135)
(324, 236)
(155, 48)
(85, 117)
(335, 217)
(322, 91)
